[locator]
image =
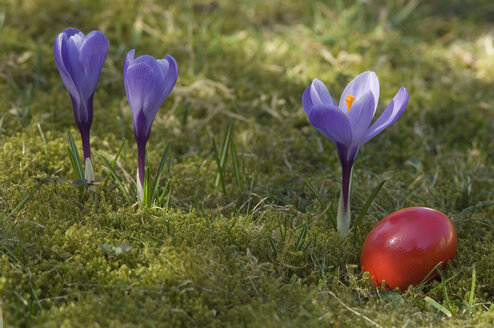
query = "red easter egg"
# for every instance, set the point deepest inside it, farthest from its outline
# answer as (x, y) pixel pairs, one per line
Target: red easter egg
(404, 247)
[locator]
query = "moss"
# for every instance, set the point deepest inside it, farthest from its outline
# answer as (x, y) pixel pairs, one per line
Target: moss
(261, 252)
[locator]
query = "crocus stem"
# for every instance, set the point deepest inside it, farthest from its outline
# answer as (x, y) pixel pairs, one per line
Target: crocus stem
(88, 169)
(86, 148)
(344, 211)
(141, 169)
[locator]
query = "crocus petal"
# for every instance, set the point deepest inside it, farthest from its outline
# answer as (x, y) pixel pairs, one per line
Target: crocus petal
(320, 95)
(144, 81)
(331, 122)
(59, 51)
(62, 55)
(77, 39)
(359, 86)
(360, 116)
(128, 59)
(92, 55)
(69, 31)
(170, 72)
(79, 60)
(307, 101)
(390, 115)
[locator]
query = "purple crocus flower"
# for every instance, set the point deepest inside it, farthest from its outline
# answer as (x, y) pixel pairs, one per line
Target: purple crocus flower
(79, 60)
(148, 82)
(348, 125)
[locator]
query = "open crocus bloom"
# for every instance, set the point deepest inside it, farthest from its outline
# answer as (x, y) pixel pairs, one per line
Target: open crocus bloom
(148, 82)
(348, 124)
(79, 59)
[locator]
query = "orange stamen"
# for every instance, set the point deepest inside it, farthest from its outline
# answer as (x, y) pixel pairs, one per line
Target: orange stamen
(349, 101)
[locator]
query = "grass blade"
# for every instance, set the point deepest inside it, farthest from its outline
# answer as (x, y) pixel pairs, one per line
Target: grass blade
(2, 20)
(45, 147)
(160, 173)
(21, 205)
(438, 306)
(122, 134)
(430, 275)
(273, 246)
(147, 188)
(471, 300)
(160, 200)
(220, 168)
(321, 202)
(116, 178)
(368, 203)
(301, 238)
(114, 162)
(76, 162)
(253, 182)
(224, 152)
(1, 126)
(74, 165)
(236, 169)
(168, 196)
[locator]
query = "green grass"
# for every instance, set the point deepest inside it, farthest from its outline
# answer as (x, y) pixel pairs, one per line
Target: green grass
(246, 237)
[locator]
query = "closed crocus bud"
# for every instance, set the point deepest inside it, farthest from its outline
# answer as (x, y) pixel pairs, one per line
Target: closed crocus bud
(148, 82)
(79, 59)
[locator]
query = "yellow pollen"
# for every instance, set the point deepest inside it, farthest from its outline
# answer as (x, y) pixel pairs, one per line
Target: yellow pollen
(349, 101)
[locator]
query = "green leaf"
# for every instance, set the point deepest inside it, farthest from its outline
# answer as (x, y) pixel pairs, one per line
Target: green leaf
(163, 193)
(122, 130)
(160, 173)
(114, 162)
(393, 297)
(236, 168)
(168, 197)
(220, 168)
(1, 126)
(116, 178)
(368, 203)
(80, 182)
(321, 202)
(471, 299)
(23, 203)
(147, 188)
(224, 153)
(438, 306)
(301, 238)
(75, 159)
(273, 246)
(432, 273)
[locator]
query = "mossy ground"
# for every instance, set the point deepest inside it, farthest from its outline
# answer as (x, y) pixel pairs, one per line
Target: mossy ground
(260, 253)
